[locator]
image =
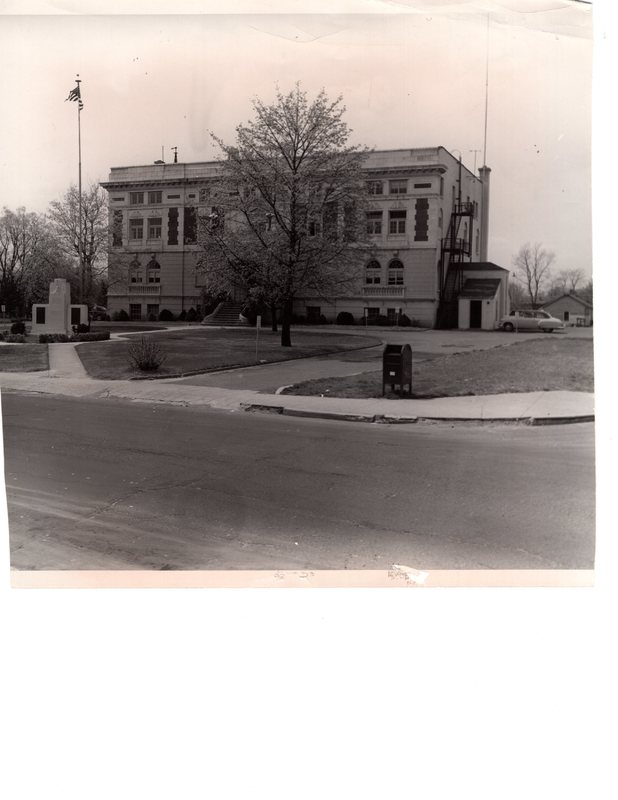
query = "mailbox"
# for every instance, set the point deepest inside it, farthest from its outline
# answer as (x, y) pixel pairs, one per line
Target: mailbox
(397, 367)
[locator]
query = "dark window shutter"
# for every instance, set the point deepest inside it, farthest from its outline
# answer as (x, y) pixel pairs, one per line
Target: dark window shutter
(421, 221)
(172, 226)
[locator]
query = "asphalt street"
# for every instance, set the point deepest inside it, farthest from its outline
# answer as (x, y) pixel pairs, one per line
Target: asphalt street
(111, 484)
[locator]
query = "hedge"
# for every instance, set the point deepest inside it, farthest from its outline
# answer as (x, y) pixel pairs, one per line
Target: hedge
(62, 338)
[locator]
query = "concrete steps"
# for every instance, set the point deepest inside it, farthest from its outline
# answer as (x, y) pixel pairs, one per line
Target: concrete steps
(227, 314)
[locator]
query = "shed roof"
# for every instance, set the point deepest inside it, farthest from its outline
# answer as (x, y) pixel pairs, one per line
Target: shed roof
(486, 266)
(571, 296)
(480, 288)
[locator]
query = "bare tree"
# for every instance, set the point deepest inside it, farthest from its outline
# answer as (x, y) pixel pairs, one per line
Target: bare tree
(287, 212)
(29, 259)
(533, 269)
(91, 238)
(567, 280)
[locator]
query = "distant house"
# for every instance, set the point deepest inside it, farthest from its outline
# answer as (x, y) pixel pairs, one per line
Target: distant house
(571, 309)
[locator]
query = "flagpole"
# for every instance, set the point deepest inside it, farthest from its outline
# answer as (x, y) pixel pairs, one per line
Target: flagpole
(79, 149)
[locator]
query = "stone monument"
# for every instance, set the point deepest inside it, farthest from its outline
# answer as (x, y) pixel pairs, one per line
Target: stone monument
(58, 316)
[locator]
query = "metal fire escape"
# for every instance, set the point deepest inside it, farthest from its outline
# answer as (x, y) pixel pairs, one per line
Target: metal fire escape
(455, 250)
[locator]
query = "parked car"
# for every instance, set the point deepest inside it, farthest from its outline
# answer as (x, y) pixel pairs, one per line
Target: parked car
(98, 313)
(530, 321)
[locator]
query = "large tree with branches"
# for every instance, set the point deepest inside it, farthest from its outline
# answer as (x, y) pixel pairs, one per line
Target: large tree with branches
(29, 260)
(533, 269)
(90, 238)
(286, 213)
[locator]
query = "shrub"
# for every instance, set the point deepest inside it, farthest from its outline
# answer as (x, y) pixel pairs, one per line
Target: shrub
(146, 354)
(99, 336)
(152, 317)
(191, 315)
(166, 315)
(53, 338)
(345, 318)
(81, 328)
(1, 336)
(404, 321)
(18, 327)
(120, 316)
(182, 316)
(15, 338)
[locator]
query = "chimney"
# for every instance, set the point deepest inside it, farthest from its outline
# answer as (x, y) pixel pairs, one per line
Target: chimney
(484, 178)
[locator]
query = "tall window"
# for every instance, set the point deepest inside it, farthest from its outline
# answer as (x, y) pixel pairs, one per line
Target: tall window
(154, 270)
(374, 222)
(190, 225)
(135, 272)
(373, 272)
(398, 187)
(396, 222)
(136, 198)
(375, 187)
(154, 228)
(395, 273)
(154, 198)
(136, 229)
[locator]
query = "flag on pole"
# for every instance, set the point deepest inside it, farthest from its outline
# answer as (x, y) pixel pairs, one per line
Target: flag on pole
(75, 94)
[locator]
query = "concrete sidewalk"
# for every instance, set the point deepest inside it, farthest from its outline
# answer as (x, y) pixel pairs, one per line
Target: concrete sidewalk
(67, 377)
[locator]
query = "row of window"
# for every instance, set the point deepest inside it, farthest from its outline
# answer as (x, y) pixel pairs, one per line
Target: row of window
(373, 273)
(153, 271)
(136, 228)
(314, 313)
(398, 186)
(397, 221)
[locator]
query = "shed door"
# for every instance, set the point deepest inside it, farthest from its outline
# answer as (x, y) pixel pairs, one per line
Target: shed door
(476, 313)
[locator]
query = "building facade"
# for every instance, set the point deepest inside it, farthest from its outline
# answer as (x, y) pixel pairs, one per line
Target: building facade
(424, 224)
(571, 309)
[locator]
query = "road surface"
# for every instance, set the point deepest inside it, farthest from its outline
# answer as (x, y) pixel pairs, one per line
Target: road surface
(107, 484)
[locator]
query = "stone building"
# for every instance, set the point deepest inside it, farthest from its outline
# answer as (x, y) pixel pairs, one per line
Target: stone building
(427, 223)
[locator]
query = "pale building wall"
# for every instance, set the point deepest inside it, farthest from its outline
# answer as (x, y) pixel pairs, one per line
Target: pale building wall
(432, 178)
(570, 304)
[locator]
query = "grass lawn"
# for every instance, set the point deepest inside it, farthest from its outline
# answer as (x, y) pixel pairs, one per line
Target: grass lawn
(204, 349)
(23, 358)
(549, 364)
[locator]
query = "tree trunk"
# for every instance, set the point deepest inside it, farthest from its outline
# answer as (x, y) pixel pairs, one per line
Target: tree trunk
(273, 318)
(286, 339)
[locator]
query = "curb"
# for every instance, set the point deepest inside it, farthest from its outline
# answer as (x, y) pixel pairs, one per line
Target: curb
(388, 419)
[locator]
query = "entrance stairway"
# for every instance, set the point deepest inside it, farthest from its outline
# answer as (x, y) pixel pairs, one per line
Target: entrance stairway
(225, 314)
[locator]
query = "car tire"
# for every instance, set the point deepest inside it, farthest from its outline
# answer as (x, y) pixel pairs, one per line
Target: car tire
(508, 327)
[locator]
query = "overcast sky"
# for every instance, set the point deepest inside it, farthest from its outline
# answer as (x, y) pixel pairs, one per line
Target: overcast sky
(410, 79)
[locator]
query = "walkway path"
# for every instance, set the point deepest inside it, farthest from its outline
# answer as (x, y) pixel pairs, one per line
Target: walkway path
(254, 388)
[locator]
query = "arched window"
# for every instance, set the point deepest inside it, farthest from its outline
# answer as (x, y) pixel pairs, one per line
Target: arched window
(373, 272)
(154, 270)
(395, 273)
(135, 271)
